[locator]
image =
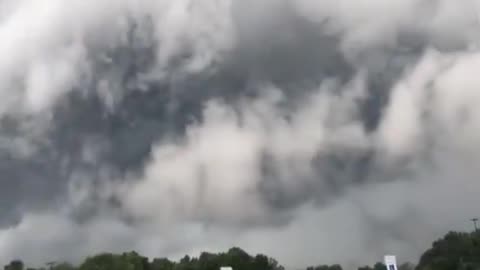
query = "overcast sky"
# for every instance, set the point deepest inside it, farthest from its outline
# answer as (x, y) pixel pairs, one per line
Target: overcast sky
(313, 131)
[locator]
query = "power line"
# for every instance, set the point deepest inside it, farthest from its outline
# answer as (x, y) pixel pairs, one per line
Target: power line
(474, 220)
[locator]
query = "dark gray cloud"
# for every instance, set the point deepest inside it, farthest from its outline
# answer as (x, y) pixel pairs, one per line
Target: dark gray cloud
(294, 55)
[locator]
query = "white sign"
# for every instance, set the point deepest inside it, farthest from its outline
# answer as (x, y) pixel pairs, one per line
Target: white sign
(391, 262)
(226, 268)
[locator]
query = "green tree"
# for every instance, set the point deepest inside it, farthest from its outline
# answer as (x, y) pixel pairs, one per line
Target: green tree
(162, 264)
(325, 267)
(379, 266)
(454, 251)
(260, 262)
(14, 265)
(108, 261)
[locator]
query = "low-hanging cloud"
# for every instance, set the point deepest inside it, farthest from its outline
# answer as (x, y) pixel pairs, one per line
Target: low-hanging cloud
(344, 130)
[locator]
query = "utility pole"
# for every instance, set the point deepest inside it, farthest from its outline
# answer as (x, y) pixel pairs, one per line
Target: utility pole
(474, 220)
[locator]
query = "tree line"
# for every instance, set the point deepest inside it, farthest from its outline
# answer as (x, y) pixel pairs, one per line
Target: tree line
(454, 251)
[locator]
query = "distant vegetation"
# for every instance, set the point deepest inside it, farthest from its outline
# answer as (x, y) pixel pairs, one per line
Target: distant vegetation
(455, 251)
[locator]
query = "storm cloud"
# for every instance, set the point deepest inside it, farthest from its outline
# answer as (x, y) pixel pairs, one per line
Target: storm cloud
(311, 130)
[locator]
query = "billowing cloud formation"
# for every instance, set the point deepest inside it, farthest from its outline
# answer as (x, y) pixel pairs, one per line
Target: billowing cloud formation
(309, 130)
